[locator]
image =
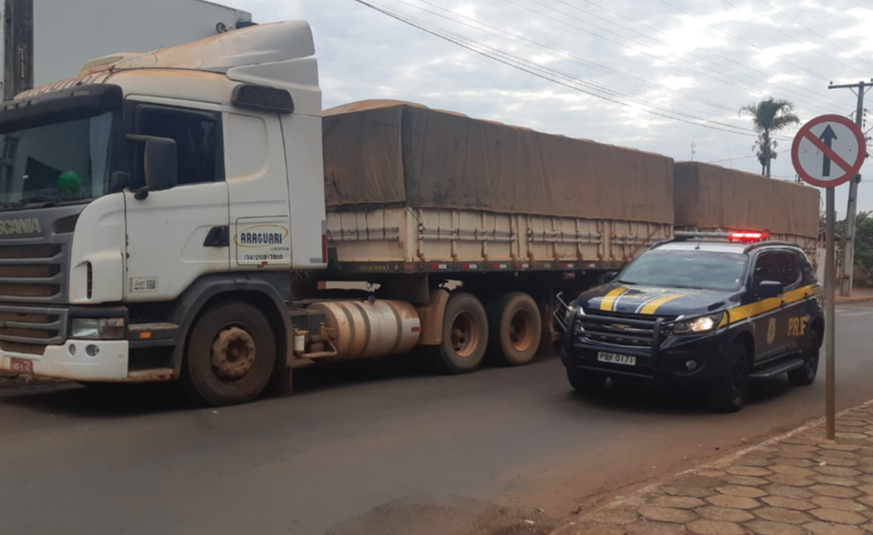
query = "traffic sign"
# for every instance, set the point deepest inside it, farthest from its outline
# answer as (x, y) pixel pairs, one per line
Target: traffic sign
(828, 151)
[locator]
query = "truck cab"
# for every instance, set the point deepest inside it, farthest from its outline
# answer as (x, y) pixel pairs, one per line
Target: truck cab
(704, 310)
(135, 195)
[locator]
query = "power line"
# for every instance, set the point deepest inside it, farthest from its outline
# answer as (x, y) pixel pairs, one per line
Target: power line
(735, 159)
(550, 75)
(720, 56)
(788, 35)
(728, 80)
(562, 54)
(755, 79)
(812, 31)
(744, 41)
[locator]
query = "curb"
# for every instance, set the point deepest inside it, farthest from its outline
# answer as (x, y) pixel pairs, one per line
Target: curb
(850, 300)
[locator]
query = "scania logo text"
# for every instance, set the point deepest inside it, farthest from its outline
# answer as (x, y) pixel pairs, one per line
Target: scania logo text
(11, 227)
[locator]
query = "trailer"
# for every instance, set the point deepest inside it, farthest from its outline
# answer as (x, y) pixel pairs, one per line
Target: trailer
(419, 197)
(709, 198)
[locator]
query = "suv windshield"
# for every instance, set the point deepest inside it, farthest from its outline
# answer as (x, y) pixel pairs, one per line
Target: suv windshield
(59, 162)
(687, 269)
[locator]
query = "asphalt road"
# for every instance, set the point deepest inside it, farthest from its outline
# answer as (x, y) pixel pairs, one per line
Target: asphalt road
(379, 449)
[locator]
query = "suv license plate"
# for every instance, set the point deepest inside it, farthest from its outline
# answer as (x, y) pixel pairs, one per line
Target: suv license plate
(615, 358)
(22, 366)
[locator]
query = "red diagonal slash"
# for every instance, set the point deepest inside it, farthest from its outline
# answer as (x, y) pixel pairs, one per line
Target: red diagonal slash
(829, 152)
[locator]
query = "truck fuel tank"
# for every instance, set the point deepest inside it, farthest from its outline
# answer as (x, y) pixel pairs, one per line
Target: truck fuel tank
(366, 329)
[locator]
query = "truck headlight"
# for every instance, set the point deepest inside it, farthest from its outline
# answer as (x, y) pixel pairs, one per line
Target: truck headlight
(703, 324)
(97, 328)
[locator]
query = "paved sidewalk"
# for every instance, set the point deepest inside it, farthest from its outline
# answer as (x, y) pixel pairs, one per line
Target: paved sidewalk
(794, 485)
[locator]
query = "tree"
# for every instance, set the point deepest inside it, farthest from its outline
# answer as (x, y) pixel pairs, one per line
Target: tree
(769, 116)
(864, 249)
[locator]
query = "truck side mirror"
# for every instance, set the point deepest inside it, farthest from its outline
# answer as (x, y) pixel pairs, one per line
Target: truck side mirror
(770, 289)
(160, 161)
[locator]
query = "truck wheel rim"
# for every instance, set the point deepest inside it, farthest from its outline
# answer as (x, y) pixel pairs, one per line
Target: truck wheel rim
(521, 330)
(465, 334)
(233, 354)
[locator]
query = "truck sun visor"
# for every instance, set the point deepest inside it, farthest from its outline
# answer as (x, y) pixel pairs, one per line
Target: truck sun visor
(64, 105)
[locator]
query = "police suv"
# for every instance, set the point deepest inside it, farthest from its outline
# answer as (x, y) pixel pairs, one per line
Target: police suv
(704, 310)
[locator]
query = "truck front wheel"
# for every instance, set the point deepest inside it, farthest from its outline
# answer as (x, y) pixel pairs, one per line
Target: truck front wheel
(231, 354)
(465, 334)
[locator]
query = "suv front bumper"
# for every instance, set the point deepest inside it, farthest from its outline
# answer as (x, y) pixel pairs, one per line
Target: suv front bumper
(687, 360)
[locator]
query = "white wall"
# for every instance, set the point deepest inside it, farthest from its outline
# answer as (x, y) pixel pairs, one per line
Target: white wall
(68, 33)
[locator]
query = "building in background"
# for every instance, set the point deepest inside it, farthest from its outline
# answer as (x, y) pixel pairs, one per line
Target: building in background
(48, 40)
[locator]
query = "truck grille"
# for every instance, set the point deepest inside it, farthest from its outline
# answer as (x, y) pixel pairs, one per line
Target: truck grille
(30, 329)
(628, 330)
(32, 273)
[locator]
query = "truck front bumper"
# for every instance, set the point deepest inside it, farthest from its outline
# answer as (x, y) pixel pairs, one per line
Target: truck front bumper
(76, 360)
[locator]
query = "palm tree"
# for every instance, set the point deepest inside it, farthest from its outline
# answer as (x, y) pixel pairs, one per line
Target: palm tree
(769, 116)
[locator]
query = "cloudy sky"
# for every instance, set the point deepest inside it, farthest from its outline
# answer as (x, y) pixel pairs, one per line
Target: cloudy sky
(660, 75)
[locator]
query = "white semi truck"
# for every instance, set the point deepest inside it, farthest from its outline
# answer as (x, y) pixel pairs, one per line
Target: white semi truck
(185, 214)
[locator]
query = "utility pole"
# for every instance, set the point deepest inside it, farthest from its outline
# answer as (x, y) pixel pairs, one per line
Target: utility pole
(847, 273)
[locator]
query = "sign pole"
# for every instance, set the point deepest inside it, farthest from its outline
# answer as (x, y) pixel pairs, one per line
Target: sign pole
(829, 151)
(830, 340)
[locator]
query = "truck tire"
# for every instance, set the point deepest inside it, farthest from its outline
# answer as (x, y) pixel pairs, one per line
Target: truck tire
(465, 334)
(586, 382)
(731, 388)
(805, 375)
(231, 354)
(516, 327)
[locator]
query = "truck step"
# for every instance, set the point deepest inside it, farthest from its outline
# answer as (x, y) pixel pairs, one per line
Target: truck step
(778, 368)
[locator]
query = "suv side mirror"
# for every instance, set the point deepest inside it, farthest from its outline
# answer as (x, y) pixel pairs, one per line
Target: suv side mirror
(161, 163)
(770, 289)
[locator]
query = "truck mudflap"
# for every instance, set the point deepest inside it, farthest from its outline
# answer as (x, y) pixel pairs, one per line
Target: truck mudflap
(76, 360)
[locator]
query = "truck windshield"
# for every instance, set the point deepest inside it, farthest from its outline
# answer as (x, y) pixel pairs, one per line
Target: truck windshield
(687, 269)
(58, 162)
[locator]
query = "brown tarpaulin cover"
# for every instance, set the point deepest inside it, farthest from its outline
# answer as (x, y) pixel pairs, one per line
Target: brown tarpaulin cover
(380, 153)
(710, 197)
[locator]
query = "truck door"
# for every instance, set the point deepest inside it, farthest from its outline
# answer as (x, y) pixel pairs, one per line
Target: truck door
(772, 317)
(177, 235)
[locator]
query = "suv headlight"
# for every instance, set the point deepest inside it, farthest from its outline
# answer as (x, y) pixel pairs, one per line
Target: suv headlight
(703, 324)
(97, 328)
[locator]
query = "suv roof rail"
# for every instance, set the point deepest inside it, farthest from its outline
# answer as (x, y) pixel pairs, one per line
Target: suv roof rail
(752, 246)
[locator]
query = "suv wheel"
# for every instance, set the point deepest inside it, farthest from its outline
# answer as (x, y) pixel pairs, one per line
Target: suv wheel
(729, 394)
(805, 375)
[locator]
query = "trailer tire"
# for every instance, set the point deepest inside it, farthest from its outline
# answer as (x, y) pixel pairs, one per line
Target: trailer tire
(465, 334)
(230, 355)
(515, 327)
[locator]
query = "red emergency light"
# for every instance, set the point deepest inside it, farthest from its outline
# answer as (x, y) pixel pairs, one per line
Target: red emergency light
(748, 237)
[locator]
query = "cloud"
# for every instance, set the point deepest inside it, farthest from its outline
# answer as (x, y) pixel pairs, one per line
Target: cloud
(642, 58)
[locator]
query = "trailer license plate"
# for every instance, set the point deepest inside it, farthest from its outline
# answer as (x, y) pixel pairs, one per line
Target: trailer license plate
(615, 358)
(22, 366)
